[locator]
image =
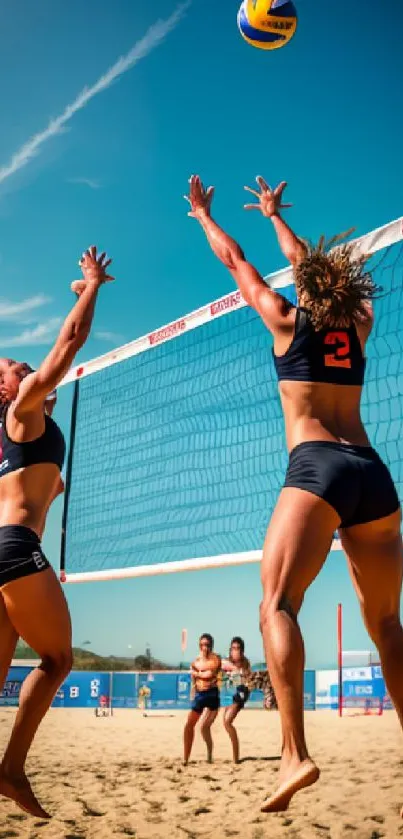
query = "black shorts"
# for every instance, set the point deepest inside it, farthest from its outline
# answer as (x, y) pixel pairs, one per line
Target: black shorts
(241, 695)
(20, 553)
(206, 699)
(352, 479)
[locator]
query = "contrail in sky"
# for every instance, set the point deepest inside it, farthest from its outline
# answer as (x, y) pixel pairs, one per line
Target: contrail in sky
(152, 39)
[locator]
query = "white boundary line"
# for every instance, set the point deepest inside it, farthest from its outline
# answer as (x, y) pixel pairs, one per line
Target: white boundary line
(372, 242)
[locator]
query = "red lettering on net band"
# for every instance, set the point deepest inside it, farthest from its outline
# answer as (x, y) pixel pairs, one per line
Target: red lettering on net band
(229, 302)
(167, 332)
(340, 357)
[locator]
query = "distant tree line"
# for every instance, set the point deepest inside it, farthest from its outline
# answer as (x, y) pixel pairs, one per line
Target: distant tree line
(87, 660)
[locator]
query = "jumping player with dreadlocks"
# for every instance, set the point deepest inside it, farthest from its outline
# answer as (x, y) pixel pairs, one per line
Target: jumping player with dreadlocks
(335, 480)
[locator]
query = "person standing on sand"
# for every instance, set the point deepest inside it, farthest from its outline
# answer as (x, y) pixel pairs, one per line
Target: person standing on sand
(239, 667)
(206, 700)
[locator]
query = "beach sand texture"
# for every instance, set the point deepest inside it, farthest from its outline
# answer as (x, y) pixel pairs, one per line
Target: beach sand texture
(122, 776)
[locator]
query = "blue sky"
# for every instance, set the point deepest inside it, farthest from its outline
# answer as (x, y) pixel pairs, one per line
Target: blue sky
(323, 113)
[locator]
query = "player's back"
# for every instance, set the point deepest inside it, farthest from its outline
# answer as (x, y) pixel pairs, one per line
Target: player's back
(321, 375)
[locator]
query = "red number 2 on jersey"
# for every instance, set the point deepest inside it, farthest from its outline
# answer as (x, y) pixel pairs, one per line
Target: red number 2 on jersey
(341, 355)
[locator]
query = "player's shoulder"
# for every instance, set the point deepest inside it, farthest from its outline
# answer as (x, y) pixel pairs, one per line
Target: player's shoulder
(276, 311)
(364, 325)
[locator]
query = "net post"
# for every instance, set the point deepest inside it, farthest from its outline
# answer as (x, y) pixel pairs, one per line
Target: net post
(340, 656)
(69, 469)
(111, 693)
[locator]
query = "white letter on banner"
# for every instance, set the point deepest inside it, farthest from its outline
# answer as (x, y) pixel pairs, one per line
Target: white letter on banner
(94, 686)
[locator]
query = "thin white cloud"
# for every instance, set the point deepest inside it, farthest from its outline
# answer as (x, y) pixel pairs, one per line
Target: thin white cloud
(92, 184)
(111, 337)
(41, 335)
(18, 312)
(152, 39)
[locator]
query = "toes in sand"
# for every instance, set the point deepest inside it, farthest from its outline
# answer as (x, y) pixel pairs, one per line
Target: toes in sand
(19, 790)
(306, 775)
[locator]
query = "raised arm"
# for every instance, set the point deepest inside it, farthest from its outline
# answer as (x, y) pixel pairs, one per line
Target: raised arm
(73, 334)
(270, 204)
(271, 306)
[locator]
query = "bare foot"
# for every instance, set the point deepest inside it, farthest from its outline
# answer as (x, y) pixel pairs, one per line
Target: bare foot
(305, 775)
(19, 790)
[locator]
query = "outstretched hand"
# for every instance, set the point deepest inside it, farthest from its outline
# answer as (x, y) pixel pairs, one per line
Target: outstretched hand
(199, 198)
(94, 267)
(269, 200)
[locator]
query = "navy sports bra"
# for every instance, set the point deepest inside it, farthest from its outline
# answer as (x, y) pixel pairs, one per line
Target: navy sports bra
(332, 356)
(50, 447)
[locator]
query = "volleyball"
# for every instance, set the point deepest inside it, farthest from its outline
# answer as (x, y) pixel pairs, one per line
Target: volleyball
(267, 25)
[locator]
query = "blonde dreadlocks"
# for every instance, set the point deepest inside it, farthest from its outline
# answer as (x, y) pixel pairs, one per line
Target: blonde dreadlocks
(334, 284)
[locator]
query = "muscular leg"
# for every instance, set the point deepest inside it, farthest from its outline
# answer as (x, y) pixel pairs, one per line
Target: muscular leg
(188, 734)
(207, 722)
(296, 546)
(375, 559)
(37, 608)
(8, 641)
(229, 716)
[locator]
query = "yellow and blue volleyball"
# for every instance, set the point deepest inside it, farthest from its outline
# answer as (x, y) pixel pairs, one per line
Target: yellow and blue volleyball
(267, 25)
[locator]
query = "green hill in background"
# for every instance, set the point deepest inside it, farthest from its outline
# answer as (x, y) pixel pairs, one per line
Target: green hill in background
(23, 651)
(88, 660)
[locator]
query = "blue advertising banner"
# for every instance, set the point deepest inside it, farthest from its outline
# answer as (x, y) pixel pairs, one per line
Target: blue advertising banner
(310, 690)
(163, 690)
(172, 690)
(124, 690)
(183, 688)
(82, 690)
(12, 686)
(359, 683)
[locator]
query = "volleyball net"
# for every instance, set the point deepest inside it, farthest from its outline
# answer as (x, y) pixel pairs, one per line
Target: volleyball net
(177, 450)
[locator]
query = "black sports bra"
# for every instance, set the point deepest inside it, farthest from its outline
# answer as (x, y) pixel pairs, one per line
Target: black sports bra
(332, 356)
(50, 447)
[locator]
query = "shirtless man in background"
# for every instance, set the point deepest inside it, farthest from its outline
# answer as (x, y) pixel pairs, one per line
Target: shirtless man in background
(206, 699)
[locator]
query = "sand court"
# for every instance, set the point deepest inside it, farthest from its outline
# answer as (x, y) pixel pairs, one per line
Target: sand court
(122, 776)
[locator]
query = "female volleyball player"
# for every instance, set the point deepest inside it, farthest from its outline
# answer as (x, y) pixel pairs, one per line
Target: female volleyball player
(335, 480)
(239, 667)
(206, 700)
(32, 604)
